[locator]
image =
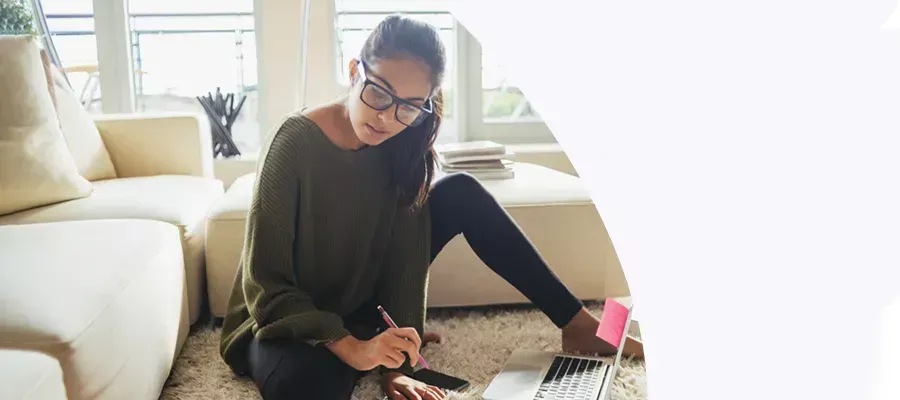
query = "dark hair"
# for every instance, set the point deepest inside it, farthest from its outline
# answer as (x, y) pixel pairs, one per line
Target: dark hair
(412, 150)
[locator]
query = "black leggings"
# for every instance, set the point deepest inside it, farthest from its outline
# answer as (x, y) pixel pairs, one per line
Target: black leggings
(288, 369)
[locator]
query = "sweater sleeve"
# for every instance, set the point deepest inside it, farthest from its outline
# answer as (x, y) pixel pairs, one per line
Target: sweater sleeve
(403, 282)
(275, 302)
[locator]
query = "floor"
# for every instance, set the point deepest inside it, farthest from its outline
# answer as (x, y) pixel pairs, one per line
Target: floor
(475, 345)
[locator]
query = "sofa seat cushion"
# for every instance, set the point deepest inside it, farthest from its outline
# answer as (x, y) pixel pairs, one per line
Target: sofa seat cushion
(30, 375)
(177, 199)
(104, 297)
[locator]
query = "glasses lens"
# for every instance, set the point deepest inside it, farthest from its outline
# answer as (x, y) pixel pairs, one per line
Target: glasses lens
(376, 97)
(409, 115)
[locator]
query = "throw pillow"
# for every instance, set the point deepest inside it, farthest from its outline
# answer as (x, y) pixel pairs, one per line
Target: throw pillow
(36, 168)
(81, 133)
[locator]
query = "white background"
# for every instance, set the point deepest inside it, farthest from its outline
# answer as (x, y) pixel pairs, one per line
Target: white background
(744, 156)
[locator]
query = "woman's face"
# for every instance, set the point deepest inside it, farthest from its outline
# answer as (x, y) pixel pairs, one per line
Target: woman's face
(373, 110)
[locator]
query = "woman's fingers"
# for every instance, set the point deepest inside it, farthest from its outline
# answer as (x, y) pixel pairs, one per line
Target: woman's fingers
(393, 394)
(393, 358)
(409, 334)
(410, 348)
(432, 393)
(410, 393)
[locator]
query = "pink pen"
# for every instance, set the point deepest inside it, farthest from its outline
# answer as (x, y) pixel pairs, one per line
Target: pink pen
(390, 321)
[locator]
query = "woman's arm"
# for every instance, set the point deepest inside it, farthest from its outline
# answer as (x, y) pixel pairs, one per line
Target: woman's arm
(403, 281)
(273, 297)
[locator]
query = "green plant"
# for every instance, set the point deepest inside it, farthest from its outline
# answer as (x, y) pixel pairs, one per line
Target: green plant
(16, 18)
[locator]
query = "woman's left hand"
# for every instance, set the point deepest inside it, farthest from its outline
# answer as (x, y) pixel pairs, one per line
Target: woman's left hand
(401, 387)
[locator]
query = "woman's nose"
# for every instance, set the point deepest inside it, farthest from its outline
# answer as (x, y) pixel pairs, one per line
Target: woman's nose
(387, 115)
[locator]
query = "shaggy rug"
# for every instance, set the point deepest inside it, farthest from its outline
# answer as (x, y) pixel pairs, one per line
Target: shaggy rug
(474, 346)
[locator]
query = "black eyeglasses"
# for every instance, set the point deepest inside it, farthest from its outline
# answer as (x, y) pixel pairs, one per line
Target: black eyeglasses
(380, 98)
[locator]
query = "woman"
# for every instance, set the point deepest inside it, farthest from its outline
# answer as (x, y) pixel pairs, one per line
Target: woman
(345, 217)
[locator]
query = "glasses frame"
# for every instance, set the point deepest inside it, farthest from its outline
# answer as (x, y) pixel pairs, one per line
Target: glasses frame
(361, 68)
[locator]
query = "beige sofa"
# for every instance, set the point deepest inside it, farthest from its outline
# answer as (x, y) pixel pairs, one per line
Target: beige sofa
(108, 285)
(101, 239)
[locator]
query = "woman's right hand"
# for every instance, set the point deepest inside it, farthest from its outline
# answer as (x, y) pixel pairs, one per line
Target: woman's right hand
(385, 349)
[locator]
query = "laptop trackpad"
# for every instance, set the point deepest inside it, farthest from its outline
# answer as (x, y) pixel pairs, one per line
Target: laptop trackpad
(515, 380)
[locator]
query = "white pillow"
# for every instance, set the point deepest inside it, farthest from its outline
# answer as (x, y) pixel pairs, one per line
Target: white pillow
(81, 133)
(36, 167)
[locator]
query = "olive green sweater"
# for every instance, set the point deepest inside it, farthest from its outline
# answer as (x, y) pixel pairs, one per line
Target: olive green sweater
(325, 232)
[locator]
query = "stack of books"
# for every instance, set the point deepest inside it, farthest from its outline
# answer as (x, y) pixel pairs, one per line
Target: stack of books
(483, 159)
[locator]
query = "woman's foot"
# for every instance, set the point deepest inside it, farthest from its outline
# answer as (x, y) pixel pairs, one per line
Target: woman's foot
(580, 336)
(430, 336)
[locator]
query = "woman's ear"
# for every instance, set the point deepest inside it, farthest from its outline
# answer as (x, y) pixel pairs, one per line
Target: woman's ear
(353, 72)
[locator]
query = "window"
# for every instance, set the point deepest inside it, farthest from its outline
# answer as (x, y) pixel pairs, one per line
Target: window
(480, 103)
(502, 101)
(71, 25)
(181, 50)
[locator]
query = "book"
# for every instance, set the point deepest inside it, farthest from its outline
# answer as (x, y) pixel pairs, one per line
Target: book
(482, 159)
(487, 174)
(473, 157)
(479, 165)
(473, 148)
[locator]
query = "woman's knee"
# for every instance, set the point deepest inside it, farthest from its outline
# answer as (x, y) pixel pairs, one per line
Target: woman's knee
(320, 379)
(460, 184)
(289, 368)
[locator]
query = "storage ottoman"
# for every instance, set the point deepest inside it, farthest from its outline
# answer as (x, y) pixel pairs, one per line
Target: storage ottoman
(552, 207)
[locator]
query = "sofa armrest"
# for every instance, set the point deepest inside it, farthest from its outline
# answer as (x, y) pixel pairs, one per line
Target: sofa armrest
(157, 144)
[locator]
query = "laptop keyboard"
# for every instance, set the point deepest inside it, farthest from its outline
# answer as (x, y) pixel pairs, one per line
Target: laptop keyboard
(571, 378)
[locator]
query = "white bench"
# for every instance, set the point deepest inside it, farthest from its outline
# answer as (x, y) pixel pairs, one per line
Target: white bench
(553, 209)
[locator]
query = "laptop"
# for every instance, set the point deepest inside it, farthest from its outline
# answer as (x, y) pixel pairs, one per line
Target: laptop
(533, 375)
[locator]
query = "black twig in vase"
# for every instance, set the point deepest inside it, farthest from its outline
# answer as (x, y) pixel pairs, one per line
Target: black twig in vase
(222, 114)
(222, 142)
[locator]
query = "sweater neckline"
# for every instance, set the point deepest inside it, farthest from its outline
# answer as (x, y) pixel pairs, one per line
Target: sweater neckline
(349, 154)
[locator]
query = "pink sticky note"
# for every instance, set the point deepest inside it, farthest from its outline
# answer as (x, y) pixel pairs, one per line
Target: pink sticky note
(612, 323)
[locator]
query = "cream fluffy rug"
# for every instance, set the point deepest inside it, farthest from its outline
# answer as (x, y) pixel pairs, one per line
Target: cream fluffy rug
(475, 345)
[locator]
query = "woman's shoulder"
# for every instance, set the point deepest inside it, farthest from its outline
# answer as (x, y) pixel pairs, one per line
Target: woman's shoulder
(293, 134)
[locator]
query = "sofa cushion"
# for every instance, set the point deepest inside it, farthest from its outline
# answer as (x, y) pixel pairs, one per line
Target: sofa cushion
(107, 302)
(176, 199)
(36, 167)
(30, 375)
(82, 136)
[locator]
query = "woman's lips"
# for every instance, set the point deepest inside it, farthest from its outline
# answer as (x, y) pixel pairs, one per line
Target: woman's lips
(375, 132)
